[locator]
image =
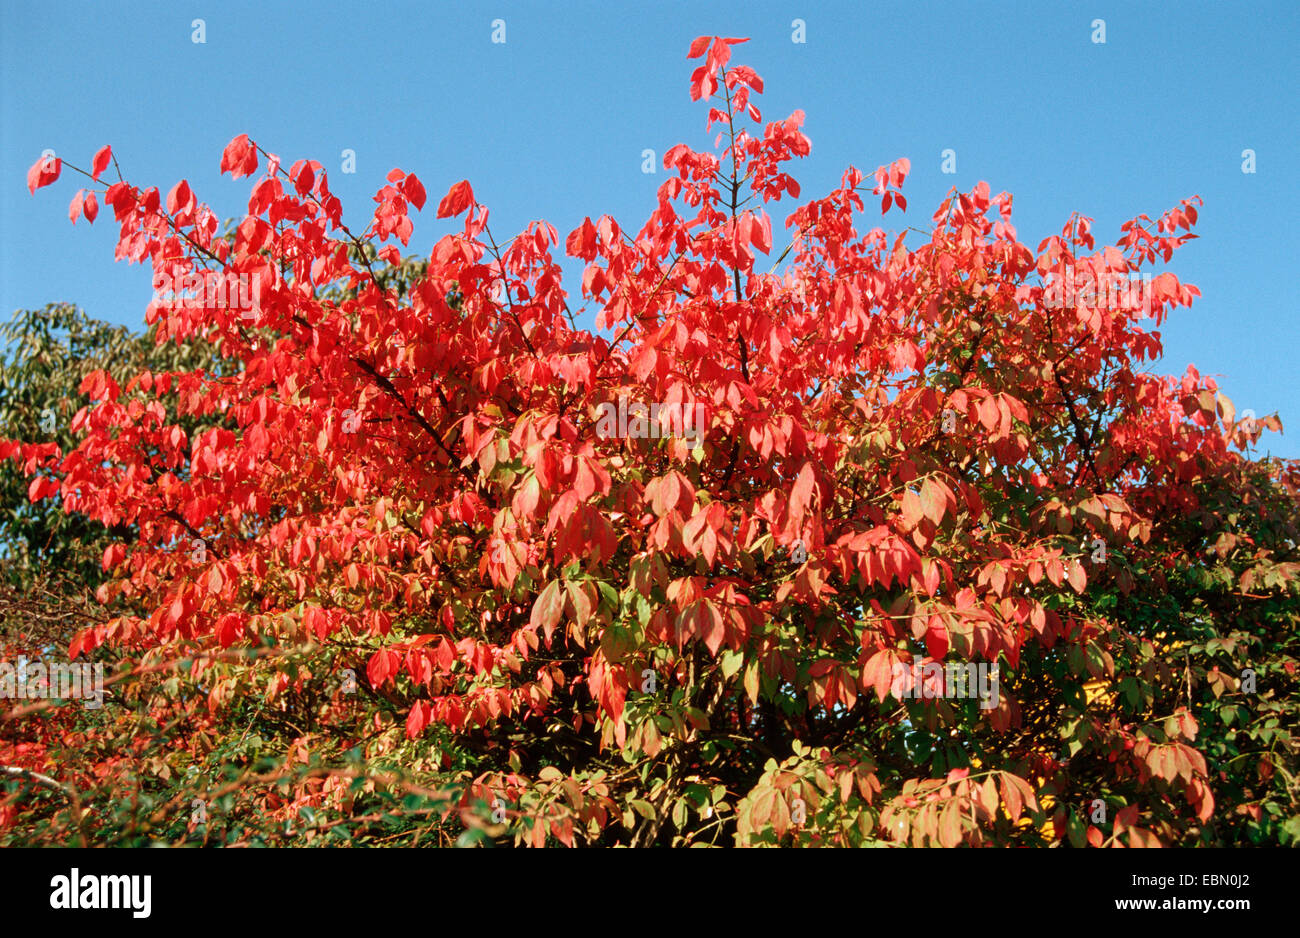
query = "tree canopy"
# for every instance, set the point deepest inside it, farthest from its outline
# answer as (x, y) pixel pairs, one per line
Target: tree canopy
(382, 535)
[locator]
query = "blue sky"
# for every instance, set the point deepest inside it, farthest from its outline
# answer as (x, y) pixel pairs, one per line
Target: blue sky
(552, 124)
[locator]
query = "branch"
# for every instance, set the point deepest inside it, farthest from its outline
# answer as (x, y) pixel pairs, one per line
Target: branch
(70, 792)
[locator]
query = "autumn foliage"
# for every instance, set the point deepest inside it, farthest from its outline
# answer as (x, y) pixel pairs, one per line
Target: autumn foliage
(391, 526)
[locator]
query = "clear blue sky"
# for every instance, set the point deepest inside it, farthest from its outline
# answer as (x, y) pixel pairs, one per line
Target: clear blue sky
(552, 124)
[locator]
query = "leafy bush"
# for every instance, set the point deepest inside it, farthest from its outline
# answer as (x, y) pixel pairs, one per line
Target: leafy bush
(412, 566)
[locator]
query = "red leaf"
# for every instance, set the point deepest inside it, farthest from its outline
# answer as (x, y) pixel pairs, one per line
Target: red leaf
(581, 242)
(303, 177)
(711, 626)
(912, 510)
(698, 46)
(933, 500)
(702, 83)
(100, 161)
(180, 198)
(240, 157)
(417, 719)
(458, 198)
(989, 414)
(383, 665)
(113, 555)
(802, 492)
(548, 607)
(91, 208)
(1011, 797)
(878, 672)
(936, 639)
(43, 172)
(413, 189)
(760, 233)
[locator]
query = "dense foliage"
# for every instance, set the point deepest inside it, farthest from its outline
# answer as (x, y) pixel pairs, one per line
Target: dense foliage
(379, 572)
